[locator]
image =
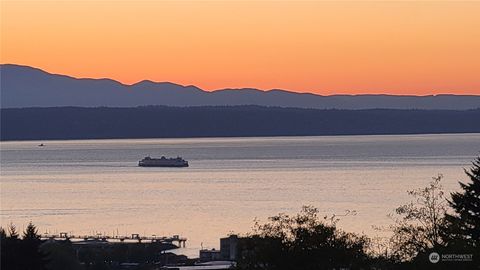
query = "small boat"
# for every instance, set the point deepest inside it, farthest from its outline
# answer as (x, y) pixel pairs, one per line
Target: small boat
(41, 145)
(163, 162)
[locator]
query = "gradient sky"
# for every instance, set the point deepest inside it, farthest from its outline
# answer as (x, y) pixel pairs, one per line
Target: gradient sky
(401, 47)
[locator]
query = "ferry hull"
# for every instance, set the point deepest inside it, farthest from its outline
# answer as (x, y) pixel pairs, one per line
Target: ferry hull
(163, 165)
(163, 162)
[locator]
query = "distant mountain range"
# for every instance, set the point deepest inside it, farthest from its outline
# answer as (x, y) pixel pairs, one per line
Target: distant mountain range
(23, 86)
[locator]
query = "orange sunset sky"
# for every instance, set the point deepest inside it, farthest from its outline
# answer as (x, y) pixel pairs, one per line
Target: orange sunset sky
(325, 47)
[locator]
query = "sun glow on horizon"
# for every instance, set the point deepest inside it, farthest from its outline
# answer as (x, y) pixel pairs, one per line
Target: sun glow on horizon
(357, 47)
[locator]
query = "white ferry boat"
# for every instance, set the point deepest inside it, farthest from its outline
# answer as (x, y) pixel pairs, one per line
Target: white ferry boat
(163, 162)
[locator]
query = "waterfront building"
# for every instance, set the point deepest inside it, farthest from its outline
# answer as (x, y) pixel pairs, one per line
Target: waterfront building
(208, 255)
(228, 247)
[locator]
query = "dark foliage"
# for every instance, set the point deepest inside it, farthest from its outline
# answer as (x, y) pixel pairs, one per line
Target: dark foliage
(12, 231)
(61, 255)
(425, 227)
(33, 258)
(31, 233)
(10, 253)
(419, 224)
(22, 254)
(3, 248)
(465, 222)
(304, 241)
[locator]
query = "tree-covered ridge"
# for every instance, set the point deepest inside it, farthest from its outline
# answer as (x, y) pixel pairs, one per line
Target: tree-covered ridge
(233, 121)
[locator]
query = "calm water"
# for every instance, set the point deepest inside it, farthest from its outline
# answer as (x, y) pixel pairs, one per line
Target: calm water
(93, 186)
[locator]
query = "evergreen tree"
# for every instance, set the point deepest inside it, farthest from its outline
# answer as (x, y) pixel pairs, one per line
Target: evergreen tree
(32, 257)
(12, 231)
(10, 249)
(31, 233)
(465, 223)
(3, 234)
(3, 248)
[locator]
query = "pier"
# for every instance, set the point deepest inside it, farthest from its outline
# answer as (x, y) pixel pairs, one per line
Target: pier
(101, 238)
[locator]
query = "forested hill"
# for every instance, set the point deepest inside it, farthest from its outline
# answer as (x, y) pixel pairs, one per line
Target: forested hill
(178, 122)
